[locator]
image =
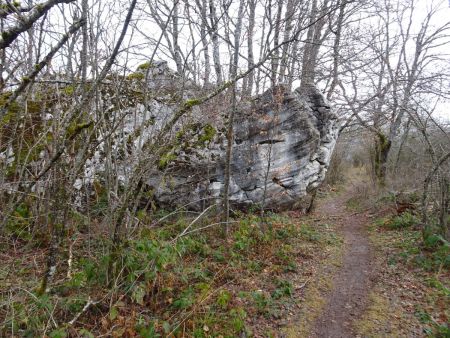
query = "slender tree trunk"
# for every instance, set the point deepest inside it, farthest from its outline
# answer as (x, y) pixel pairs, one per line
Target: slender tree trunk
(336, 48)
(214, 27)
(288, 18)
(2, 58)
(195, 70)
(176, 46)
(261, 50)
(30, 45)
(248, 81)
(293, 64)
(307, 66)
(203, 36)
(445, 205)
(84, 47)
(276, 41)
(313, 42)
(230, 130)
(400, 148)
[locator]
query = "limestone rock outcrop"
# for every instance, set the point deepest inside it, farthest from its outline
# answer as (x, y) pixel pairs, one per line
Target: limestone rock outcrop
(283, 141)
(282, 148)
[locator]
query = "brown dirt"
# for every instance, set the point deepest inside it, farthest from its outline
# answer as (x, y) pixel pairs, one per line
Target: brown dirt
(351, 285)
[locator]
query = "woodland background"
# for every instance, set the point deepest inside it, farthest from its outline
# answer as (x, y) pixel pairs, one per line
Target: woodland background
(384, 65)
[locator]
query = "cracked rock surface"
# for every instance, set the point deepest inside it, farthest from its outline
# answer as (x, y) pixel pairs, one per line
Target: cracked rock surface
(282, 148)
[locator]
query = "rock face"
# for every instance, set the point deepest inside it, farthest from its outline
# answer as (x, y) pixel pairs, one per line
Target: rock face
(283, 142)
(283, 145)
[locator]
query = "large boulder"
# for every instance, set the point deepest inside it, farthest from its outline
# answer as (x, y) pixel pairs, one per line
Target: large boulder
(282, 148)
(283, 142)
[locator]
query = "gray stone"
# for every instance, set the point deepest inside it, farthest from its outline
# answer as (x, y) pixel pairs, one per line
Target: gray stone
(282, 148)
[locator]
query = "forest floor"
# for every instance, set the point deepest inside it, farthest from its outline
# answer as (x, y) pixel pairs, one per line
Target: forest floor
(353, 268)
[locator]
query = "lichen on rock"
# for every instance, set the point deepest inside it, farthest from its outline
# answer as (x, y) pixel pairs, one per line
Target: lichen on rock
(283, 141)
(282, 148)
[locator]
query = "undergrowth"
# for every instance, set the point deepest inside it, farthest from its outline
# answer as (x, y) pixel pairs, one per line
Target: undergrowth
(421, 260)
(426, 249)
(157, 284)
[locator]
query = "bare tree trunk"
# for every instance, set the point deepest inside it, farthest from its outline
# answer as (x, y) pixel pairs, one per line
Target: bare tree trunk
(230, 136)
(248, 81)
(176, 46)
(30, 49)
(261, 49)
(313, 43)
(382, 149)
(288, 18)
(400, 148)
(445, 205)
(336, 47)
(293, 63)
(2, 58)
(195, 71)
(84, 48)
(276, 41)
(307, 76)
(203, 36)
(214, 27)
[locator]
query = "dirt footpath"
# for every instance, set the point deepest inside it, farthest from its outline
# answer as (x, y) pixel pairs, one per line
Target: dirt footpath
(348, 297)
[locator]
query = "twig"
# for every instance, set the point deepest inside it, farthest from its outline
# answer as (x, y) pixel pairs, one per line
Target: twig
(303, 285)
(89, 303)
(206, 227)
(50, 318)
(193, 222)
(69, 261)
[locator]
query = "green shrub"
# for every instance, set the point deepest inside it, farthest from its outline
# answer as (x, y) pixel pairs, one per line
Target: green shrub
(405, 220)
(19, 223)
(262, 302)
(238, 316)
(284, 289)
(244, 238)
(186, 299)
(223, 299)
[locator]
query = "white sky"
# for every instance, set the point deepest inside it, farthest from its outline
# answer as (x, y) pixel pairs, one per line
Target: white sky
(113, 13)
